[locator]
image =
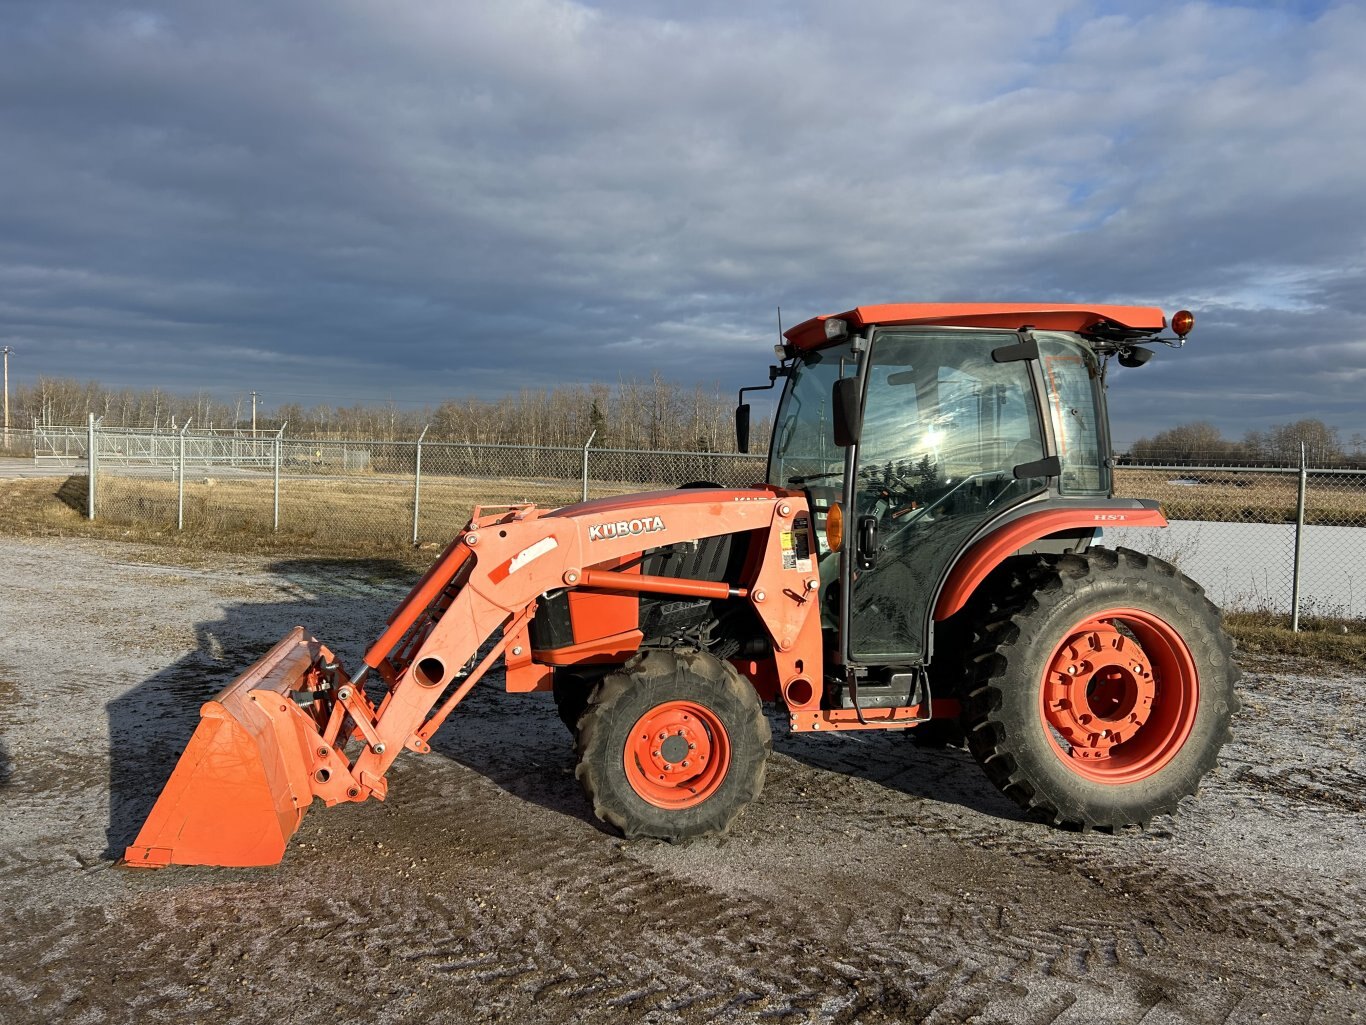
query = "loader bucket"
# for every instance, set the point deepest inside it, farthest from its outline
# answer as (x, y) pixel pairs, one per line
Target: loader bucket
(240, 789)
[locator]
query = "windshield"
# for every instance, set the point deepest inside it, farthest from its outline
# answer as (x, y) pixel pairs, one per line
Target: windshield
(804, 448)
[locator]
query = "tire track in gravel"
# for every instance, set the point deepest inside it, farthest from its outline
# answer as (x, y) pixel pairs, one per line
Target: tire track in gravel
(870, 883)
(1306, 919)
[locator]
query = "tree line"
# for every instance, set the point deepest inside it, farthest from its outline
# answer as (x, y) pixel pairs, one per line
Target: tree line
(1202, 442)
(652, 414)
(633, 414)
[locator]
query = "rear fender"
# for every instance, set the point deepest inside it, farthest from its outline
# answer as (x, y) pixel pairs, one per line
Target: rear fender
(984, 555)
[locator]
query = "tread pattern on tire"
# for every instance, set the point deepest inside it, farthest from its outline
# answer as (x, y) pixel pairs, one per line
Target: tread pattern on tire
(650, 678)
(1019, 629)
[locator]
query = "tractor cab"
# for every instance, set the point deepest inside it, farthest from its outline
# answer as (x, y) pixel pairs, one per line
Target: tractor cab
(915, 430)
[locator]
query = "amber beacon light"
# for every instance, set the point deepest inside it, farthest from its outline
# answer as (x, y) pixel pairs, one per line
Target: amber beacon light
(1182, 322)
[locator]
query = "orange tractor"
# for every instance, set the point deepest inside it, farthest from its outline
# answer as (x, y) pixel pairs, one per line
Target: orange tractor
(922, 557)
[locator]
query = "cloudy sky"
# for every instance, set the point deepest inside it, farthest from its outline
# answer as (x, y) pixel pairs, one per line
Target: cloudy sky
(356, 201)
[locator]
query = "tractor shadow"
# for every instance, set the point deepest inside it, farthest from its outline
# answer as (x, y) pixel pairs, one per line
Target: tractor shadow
(891, 758)
(8, 692)
(517, 742)
(343, 602)
(74, 493)
(514, 740)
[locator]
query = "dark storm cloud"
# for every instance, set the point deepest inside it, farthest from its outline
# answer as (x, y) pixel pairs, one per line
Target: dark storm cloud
(427, 199)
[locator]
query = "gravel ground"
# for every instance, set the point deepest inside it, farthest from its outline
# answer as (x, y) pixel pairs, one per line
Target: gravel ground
(873, 881)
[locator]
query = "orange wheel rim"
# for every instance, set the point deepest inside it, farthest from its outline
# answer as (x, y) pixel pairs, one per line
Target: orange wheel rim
(1119, 696)
(677, 754)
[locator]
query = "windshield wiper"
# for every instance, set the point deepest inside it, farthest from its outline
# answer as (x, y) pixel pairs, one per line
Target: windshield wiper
(815, 476)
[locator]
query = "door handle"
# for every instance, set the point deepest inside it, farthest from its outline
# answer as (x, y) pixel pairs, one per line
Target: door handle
(867, 542)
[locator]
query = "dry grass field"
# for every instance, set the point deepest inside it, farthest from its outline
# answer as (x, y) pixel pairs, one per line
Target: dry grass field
(1247, 497)
(360, 515)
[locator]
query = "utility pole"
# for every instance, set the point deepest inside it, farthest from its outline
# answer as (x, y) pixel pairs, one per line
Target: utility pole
(6, 350)
(253, 414)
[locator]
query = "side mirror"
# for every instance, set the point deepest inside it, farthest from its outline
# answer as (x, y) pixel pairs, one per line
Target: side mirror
(742, 428)
(1049, 466)
(1135, 356)
(848, 413)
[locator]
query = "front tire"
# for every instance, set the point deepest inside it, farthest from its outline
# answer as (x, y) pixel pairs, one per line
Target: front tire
(673, 746)
(571, 687)
(1105, 687)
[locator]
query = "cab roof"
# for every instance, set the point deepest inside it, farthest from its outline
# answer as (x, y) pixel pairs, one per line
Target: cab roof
(1082, 318)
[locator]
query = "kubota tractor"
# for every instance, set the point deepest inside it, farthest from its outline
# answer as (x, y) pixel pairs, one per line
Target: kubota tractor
(921, 557)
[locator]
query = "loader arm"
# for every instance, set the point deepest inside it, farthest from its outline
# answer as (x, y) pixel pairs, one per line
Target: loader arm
(295, 726)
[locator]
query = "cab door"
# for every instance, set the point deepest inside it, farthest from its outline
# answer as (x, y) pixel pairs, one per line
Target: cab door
(944, 428)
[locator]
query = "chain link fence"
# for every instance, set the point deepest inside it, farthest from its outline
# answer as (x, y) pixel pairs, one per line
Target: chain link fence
(16, 444)
(1240, 532)
(1258, 539)
(359, 491)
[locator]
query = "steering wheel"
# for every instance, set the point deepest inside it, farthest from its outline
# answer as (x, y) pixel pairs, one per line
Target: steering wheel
(908, 520)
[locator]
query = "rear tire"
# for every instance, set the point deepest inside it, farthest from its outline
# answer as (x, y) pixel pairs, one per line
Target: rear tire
(673, 746)
(938, 733)
(1105, 686)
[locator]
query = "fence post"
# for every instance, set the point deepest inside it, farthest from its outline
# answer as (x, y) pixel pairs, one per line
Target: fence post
(1299, 541)
(90, 472)
(586, 444)
(417, 479)
(180, 491)
(279, 435)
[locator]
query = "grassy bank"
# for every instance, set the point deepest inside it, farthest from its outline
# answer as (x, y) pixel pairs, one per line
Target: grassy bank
(1330, 644)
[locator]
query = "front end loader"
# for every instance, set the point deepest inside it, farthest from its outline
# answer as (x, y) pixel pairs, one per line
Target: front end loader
(922, 557)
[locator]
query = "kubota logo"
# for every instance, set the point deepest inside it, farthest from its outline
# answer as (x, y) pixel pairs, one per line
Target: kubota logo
(624, 528)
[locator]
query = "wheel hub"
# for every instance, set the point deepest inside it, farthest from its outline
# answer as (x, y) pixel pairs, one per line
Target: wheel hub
(677, 754)
(1098, 690)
